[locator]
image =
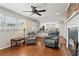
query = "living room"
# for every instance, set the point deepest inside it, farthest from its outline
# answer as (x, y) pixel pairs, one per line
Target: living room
(49, 29)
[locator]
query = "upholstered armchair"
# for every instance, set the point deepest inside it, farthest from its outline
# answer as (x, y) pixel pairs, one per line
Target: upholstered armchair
(31, 39)
(52, 40)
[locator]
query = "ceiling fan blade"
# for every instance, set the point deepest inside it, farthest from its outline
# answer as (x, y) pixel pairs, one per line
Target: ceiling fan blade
(38, 13)
(33, 8)
(27, 11)
(41, 11)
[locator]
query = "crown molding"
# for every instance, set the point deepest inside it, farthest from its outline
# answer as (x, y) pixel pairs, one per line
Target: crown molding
(73, 15)
(67, 7)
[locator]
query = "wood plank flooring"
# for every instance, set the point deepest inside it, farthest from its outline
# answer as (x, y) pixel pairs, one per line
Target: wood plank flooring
(38, 49)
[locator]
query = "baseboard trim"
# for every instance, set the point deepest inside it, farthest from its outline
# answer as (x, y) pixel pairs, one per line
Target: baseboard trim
(4, 47)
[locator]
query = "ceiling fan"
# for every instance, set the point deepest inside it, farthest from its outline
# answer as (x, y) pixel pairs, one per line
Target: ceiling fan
(34, 10)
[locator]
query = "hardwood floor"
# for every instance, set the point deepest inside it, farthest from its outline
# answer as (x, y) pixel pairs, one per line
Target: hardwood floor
(36, 50)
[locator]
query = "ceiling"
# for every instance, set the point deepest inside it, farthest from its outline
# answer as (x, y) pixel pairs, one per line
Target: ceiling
(54, 11)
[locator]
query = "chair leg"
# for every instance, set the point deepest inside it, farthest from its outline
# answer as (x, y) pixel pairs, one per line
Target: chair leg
(11, 43)
(24, 41)
(16, 43)
(19, 42)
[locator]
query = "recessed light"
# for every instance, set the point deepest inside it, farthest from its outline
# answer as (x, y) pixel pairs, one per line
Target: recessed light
(57, 13)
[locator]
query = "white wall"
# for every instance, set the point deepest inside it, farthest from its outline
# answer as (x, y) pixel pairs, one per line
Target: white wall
(74, 22)
(61, 28)
(59, 25)
(44, 23)
(54, 24)
(5, 36)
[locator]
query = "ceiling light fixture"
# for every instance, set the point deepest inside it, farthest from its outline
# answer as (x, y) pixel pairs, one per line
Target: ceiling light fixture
(57, 13)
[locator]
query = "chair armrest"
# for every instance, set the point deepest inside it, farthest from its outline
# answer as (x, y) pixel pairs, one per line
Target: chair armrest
(46, 37)
(57, 40)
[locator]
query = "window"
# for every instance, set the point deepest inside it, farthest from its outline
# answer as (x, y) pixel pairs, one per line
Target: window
(21, 22)
(11, 23)
(1, 22)
(22, 25)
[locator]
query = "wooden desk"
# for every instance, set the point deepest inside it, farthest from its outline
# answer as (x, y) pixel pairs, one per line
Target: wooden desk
(17, 41)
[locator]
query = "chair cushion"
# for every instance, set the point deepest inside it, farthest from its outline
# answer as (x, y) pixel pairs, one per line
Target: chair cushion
(30, 36)
(49, 41)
